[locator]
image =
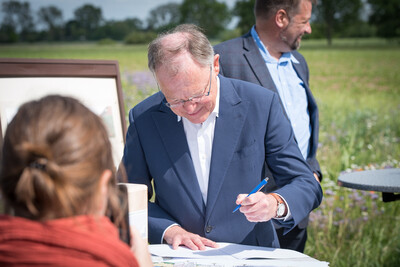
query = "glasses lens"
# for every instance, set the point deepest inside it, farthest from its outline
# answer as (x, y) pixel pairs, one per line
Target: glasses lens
(172, 105)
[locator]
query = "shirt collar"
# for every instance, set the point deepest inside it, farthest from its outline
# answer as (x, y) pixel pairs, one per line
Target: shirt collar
(266, 55)
(215, 112)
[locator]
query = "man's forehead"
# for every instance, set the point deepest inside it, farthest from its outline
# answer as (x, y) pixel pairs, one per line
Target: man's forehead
(174, 41)
(182, 62)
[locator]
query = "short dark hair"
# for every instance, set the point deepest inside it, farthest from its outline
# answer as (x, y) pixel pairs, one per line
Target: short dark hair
(267, 8)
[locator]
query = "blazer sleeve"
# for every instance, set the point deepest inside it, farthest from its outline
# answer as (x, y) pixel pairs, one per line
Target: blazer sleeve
(292, 174)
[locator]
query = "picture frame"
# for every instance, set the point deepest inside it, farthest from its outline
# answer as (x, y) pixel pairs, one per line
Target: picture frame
(95, 83)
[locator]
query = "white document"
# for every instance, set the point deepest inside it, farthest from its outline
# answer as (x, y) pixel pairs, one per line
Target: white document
(242, 263)
(227, 251)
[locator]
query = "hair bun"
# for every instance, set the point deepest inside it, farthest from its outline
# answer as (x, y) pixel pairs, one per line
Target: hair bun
(39, 164)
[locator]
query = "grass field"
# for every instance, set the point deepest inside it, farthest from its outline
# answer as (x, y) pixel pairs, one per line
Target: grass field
(356, 84)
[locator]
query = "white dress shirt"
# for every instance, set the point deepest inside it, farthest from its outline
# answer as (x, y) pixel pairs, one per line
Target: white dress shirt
(200, 138)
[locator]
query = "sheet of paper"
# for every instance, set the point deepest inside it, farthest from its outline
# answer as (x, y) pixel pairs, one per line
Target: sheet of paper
(164, 250)
(227, 251)
(253, 252)
(240, 263)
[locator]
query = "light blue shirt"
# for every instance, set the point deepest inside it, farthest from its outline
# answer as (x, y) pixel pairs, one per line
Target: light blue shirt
(292, 92)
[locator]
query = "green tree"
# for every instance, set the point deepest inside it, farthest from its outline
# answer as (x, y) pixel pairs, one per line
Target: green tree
(385, 15)
(118, 30)
(18, 20)
(336, 15)
(243, 9)
(52, 18)
(210, 15)
(73, 31)
(8, 29)
(89, 19)
(164, 17)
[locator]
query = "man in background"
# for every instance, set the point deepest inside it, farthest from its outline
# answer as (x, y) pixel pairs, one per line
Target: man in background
(267, 56)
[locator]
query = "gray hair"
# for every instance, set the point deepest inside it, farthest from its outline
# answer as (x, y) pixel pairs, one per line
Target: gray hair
(189, 38)
(267, 8)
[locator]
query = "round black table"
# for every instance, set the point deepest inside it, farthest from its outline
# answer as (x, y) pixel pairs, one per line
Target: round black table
(386, 181)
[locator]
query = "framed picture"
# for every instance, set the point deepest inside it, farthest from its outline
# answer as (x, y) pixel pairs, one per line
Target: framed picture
(96, 83)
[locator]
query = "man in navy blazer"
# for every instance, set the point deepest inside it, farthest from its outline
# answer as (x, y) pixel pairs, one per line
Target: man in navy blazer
(203, 140)
(266, 56)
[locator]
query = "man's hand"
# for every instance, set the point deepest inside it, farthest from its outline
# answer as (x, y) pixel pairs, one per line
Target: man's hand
(177, 236)
(258, 207)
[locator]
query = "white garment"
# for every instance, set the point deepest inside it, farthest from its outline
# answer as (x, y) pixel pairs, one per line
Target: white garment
(200, 138)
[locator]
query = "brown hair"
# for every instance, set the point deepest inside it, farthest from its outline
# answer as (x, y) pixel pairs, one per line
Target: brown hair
(55, 150)
(195, 43)
(267, 8)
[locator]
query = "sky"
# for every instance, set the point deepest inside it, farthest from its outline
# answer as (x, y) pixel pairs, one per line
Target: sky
(111, 9)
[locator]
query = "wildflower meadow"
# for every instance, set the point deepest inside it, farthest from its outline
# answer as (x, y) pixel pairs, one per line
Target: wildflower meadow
(356, 85)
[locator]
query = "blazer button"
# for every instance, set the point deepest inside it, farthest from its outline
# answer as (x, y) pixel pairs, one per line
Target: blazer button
(208, 229)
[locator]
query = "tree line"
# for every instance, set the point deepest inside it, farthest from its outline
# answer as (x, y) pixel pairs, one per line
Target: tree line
(331, 19)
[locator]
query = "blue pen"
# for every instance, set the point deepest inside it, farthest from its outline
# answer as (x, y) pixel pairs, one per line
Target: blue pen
(258, 188)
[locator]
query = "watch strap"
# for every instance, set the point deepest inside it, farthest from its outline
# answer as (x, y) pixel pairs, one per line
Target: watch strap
(277, 197)
(280, 202)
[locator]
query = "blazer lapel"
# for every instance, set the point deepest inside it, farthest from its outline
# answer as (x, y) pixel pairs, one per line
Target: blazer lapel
(257, 64)
(229, 124)
(174, 138)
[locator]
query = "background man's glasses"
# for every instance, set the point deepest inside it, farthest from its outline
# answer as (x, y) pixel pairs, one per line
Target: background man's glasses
(195, 98)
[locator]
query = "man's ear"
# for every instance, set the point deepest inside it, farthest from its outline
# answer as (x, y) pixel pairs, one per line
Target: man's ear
(281, 19)
(216, 64)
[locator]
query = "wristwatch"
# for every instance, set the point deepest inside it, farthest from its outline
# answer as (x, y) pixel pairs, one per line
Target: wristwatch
(281, 211)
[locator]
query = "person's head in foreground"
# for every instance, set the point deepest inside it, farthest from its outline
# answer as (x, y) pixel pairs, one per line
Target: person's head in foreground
(185, 68)
(57, 179)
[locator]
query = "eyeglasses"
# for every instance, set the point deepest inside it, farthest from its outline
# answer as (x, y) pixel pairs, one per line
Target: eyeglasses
(194, 99)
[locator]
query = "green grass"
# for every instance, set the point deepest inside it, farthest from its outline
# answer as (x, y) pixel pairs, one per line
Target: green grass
(356, 84)
(131, 57)
(356, 87)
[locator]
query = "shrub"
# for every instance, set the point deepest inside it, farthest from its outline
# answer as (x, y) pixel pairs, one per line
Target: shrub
(140, 37)
(106, 41)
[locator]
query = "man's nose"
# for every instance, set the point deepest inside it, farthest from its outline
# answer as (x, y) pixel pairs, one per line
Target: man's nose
(308, 28)
(189, 106)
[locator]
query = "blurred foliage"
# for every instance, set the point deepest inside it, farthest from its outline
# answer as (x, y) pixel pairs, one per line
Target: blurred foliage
(229, 34)
(337, 15)
(331, 19)
(385, 15)
(210, 15)
(140, 37)
(106, 41)
(244, 11)
(88, 19)
(164, 17)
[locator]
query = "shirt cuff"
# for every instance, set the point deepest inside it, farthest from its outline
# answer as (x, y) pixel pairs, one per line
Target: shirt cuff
(162, 237)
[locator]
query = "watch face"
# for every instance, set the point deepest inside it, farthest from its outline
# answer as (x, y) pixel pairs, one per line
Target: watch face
(281, 210)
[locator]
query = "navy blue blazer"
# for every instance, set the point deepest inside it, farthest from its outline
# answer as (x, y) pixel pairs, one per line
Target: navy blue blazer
(250, 130)
(240, 58)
